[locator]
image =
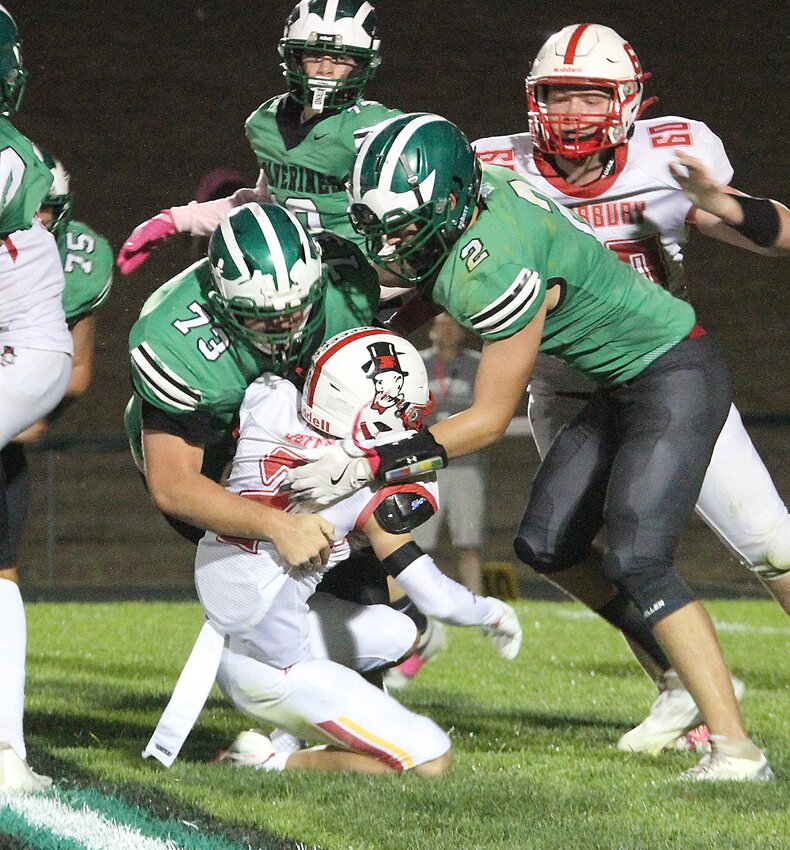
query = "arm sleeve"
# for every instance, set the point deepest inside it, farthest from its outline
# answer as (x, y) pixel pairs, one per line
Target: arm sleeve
(200, 219)
(438, 596)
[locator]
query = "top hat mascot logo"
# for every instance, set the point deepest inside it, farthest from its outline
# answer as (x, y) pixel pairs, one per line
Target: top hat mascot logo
(386, 412)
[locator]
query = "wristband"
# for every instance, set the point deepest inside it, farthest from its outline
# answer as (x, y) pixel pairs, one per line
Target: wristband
(760, 220)
(409, 458)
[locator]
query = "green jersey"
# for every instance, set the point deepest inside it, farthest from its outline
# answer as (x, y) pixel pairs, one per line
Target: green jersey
(24, 180)
(184, 363)
(306, 165)
(87, 264)
(610, 323)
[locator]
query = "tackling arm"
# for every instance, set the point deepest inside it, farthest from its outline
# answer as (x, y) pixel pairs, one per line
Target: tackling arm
(178, 488)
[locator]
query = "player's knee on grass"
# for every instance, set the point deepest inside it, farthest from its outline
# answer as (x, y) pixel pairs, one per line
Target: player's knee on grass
(654, 584)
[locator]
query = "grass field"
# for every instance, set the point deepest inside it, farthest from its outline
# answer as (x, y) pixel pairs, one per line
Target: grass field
(535, 762)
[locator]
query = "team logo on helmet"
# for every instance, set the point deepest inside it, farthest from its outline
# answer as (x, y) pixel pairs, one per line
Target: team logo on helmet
(366, 382)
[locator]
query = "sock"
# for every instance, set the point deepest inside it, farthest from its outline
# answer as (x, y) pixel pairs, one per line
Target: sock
(13, 639)
(740, 748)
(411, 666)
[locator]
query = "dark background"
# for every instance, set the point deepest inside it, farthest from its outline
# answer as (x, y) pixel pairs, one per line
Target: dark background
(139, 99)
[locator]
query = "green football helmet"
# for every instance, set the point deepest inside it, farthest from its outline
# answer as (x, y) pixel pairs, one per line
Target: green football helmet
(12, 75)
(342, 28)
(59, 199)
(268, 280)
(413, 189)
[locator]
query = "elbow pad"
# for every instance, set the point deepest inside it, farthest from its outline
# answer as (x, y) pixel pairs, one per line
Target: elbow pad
(401, 512)
(409, 458)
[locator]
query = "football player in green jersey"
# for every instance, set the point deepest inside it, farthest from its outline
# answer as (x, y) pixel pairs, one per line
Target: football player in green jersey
(304, 140)
(525, 274)
(35, 365)
(264, 298)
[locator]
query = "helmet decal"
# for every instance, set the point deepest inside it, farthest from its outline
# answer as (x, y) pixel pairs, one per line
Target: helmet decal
(366, 382)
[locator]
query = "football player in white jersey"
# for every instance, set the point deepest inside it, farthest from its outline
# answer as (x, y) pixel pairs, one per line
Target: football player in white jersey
(35, 365)
(293, 656)
(640, 183)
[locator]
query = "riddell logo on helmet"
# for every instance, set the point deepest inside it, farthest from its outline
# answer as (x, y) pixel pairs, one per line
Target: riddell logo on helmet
(317, 421)
(567, 69)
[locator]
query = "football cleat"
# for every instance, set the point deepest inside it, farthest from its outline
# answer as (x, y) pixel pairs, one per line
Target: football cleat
(250, 748)
(672, 715)
(284, 742)
(433, 641)
(16, 774)
(717, 767)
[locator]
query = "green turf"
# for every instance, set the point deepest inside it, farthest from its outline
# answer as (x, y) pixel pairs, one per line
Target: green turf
(535, 763)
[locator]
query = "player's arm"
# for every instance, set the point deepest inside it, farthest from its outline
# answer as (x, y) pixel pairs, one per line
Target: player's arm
(434, 593)
(761, 225)
(179, 489)
(199, 219)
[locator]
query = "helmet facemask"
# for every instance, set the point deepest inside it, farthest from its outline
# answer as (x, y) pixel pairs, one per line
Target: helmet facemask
(578, 135)
(59, 201)
(350, 33)
(267, 271)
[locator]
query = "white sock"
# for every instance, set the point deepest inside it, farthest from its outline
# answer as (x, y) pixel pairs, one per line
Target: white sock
(13, 638)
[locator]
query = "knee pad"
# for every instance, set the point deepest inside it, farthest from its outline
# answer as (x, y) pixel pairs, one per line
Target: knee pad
(655, 585)
(546, 563)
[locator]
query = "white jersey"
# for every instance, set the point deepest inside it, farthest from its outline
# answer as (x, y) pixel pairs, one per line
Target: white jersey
(239, 581)
(31, 292)
(638, 210)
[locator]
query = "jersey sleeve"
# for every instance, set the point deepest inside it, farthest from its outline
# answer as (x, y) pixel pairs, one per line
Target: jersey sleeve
(162, 379)
(87, 265)
(499, 304)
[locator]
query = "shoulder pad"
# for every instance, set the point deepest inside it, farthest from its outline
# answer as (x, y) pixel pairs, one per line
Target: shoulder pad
(403, 511)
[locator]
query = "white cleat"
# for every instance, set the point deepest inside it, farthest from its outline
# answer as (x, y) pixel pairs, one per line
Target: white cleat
(672, 715)
(284, 742)
(250, 748)
(16, 774)
(717, 767)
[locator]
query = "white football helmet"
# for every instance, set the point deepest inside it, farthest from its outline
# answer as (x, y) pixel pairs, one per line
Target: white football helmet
(586, 55)
(365, 382)
(59, 199)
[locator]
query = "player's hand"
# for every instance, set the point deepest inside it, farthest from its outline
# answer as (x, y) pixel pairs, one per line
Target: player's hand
(505, 630)
(145, 239)
(698, 183)
(304, 540)
(334, 471)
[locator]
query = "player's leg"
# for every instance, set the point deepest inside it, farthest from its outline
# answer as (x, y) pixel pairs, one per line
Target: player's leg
(14, 770)
(364, 730)
(738, 500)
(668, 420)
(31, 385)
(563, 516)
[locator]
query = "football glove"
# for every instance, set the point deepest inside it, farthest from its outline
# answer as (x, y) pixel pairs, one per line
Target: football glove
(334, 472)
(144, 240)
(505, 631)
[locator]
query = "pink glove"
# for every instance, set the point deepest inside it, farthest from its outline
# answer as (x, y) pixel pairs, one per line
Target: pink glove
(145, 239)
